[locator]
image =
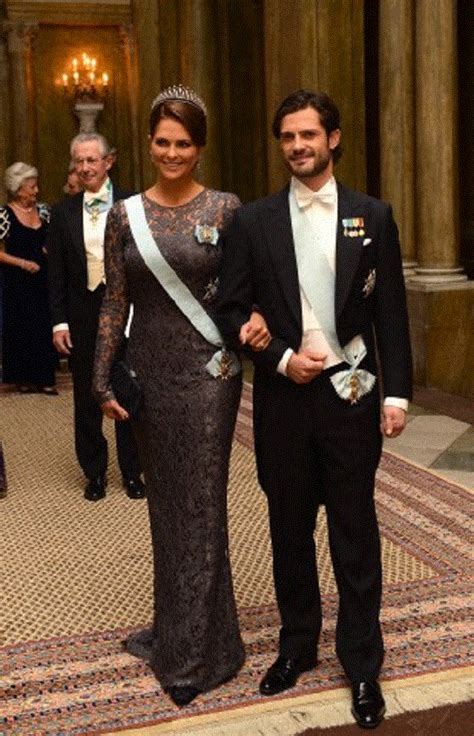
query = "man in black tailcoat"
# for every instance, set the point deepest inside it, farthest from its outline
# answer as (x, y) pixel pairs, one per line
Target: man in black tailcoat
(76, 287)
(323, 265)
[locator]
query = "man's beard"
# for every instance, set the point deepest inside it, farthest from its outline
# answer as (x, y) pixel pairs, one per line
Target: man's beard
(320, 164)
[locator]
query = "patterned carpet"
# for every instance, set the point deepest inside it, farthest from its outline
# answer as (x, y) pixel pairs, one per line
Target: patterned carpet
(76, 578)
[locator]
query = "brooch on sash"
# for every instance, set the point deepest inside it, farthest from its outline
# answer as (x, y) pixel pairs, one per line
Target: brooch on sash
(354, 382)
(353, 227)
(369, 284)
(206, 234)
(224, 364)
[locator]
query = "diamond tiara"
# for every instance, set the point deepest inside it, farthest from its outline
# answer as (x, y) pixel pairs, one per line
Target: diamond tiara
(180, 93)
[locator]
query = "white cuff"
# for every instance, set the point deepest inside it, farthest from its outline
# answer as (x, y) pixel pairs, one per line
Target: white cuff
(395, 401)
(282, 365)
(62, 326)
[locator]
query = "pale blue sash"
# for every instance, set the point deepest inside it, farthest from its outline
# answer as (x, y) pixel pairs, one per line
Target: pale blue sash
(318, 282)
(223, 364)
(315, 275)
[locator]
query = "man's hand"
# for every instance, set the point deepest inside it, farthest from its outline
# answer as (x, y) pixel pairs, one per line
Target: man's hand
(62, 341)
(305, 365)
(113, 410)
(393, 421)
(255, 332)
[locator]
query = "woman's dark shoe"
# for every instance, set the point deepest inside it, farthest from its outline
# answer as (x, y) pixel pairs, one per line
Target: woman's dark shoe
(140, 644)
(24, 389)
(182, 694)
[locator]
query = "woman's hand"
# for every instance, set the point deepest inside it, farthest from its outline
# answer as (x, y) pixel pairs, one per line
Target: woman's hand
(255, 332)
(113, 410)
(29, 266)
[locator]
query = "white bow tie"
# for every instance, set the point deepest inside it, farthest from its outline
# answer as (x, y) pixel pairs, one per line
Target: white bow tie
(96, 197)
(306, 198)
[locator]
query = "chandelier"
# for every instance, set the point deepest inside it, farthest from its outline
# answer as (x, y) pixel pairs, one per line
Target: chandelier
(83, 81)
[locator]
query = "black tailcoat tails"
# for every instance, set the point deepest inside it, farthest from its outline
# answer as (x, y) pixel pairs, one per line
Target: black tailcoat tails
(310, 443)
(72, 303)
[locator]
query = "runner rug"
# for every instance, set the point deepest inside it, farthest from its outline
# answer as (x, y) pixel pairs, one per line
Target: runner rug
(76, 580)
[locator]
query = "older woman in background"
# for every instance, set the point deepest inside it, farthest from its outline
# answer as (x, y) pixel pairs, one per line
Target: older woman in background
(29, 358)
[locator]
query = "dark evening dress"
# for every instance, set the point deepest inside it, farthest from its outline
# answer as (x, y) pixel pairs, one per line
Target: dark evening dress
(184, 435)
(28, 356)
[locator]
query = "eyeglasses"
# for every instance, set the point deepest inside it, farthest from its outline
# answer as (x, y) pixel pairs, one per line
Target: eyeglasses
(89, 161)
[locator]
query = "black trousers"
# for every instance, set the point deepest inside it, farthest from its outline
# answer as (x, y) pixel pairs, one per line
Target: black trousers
(90, 443)
(313, 446)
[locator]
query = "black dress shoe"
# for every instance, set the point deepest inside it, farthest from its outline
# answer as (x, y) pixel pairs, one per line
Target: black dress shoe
(95, 489)
(135, 488)
(368, 705)
(182, 694)
(282, 675)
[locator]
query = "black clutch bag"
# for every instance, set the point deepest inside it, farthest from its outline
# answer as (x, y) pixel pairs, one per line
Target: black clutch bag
(126, 388)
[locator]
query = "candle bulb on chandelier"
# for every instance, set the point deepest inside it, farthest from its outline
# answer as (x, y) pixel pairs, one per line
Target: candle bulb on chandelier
(105, 79)
(75, 77)
(74, 65)
(65, 80)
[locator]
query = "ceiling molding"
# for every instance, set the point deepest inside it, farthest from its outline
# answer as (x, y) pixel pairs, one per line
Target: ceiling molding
(70, 12)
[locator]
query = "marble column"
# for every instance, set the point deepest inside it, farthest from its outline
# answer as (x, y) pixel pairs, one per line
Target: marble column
(146, 23)
(437, 144)
(22, 120)
(318, 45)
(397, 118)
(130, 55)
(199, 66)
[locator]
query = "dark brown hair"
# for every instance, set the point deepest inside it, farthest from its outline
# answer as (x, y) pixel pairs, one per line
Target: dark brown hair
(319, 101)
(190, 116)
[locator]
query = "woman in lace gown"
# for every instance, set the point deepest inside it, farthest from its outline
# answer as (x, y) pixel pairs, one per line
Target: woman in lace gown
(185, 426)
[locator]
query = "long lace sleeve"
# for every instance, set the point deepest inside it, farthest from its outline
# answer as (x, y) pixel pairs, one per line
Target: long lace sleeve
(115, 306)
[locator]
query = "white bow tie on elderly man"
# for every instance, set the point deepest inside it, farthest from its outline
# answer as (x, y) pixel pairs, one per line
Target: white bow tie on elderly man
(307, 198)
(96, 197)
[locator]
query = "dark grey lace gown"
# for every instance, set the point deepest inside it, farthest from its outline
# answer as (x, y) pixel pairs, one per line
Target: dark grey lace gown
(184, 436)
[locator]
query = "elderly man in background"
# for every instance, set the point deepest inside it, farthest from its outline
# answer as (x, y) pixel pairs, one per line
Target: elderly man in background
(76, 288)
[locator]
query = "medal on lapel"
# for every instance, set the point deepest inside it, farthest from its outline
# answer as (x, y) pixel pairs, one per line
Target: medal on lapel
(353, 227)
